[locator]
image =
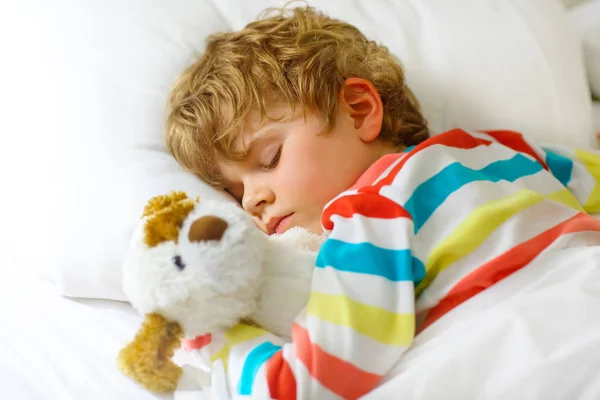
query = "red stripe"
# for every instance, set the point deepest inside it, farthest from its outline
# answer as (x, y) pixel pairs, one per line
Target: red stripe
(196, 343)
(368, 204)
(281, 380)
(341, 377)
(456, 138)
(507, 263)
(376, 170)
(517, 142)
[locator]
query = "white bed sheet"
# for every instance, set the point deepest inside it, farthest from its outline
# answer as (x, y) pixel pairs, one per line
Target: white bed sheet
(53, 347)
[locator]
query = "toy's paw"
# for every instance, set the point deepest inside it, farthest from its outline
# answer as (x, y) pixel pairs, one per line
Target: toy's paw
(147, 359)
(156, 378)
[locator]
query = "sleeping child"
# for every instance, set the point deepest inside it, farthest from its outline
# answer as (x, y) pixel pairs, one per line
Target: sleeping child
(308, 123)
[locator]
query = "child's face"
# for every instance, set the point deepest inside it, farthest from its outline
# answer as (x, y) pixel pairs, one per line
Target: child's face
(293, 171)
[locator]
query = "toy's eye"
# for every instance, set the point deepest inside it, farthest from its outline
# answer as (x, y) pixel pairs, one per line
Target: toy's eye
(178, 263)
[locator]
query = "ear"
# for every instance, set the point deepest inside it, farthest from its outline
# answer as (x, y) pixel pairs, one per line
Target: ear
(147, 359)
(361, 99)
(159, 203)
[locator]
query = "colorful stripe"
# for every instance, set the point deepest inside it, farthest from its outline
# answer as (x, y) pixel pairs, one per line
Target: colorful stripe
(238, 334)
(473, 231)
(196, 343)
(280, 378)
(591, 161)
(365, 258)
(366, 289)
(328, 369)
(254, 360)
(434, 191)
(368, 204)
(561, 167)
(376, 234)
(566, 198)
(506, 264)
(456, 138)
(377, 323)
(517, 142)
(376, 170)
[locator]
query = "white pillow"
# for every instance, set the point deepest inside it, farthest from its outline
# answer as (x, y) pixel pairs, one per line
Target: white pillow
(84, 84)
(478, 64)
(572, 3)
(586, 20)
(85, 100)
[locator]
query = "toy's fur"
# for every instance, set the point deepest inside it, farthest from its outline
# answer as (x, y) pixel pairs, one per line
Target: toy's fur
(205, 268)
(148, 358)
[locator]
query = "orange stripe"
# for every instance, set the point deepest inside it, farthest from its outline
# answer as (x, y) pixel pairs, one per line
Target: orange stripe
(517, 142)
(454, 138)
(327, 368)
(196, 343)
(507, 263)
(281, 380)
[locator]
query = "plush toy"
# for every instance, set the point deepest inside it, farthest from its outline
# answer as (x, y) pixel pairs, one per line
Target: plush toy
(195, 267)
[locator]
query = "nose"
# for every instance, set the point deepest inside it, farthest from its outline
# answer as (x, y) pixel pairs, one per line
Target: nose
(256, 197)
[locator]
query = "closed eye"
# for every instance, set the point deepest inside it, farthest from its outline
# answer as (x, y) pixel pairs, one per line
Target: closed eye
(275, 159)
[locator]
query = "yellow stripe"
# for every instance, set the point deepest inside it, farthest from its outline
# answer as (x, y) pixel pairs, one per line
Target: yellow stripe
(473, 231)
(239, 333)
(567, 198)
(591, 162)
(378, 324)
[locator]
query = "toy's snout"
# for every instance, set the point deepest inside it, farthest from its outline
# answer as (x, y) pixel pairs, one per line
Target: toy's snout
(207, 228)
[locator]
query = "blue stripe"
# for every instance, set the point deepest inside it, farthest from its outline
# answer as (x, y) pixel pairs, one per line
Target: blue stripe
(365, 258)
(255, 359)
(433, 192)
(560, 166)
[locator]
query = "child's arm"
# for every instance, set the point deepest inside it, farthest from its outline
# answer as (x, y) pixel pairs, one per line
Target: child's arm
(359, 318)
(578, 170)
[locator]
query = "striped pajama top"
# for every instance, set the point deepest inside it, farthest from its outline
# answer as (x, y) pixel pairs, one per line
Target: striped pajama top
(418, 234)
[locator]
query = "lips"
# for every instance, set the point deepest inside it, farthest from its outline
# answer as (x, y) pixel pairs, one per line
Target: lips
(278, 224)
(282, 225)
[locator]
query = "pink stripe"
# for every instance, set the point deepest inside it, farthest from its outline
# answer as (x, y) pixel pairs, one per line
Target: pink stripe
(196, 343)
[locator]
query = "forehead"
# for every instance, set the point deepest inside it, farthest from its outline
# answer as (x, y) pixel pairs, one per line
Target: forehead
(258, 124)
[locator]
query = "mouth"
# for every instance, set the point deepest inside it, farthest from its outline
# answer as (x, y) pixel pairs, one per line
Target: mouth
(279, 225)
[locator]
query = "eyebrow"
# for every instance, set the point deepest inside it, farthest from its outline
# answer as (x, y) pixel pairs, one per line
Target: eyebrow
(257, 138)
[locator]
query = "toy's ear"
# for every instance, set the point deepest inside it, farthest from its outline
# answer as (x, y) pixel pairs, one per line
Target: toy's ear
(147, 359)
(159, 203)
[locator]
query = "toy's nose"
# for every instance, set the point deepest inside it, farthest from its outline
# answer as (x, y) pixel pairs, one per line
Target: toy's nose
(207, 228)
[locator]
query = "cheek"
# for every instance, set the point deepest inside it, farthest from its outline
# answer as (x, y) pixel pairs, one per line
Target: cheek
(310, 174)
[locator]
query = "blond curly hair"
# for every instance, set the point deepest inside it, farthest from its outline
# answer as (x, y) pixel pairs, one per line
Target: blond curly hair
(294, 55)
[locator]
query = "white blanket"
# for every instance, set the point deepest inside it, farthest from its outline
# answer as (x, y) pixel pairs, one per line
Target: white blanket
(534, 335)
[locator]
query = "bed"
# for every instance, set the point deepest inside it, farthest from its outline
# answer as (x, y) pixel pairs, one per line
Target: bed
(60, 348)
(80, 163)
